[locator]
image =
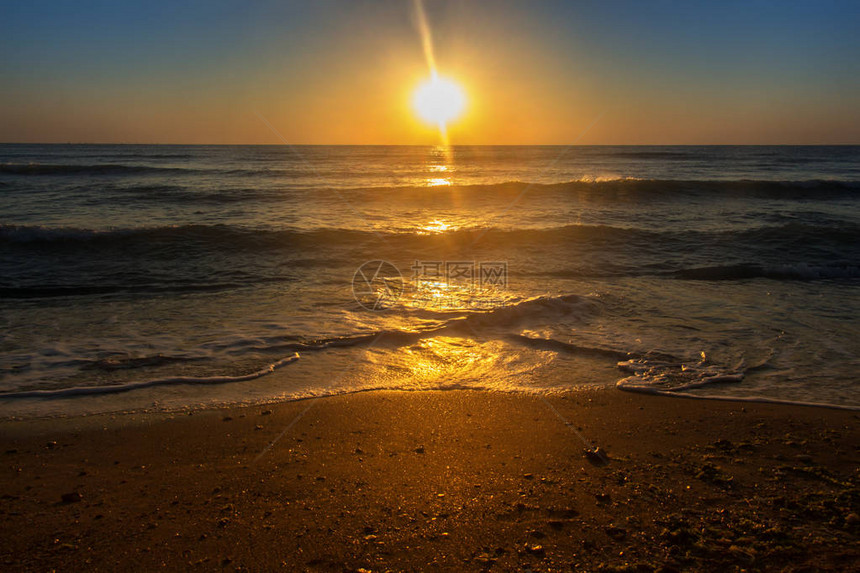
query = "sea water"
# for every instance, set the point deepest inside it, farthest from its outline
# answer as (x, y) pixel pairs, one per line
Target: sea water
(139, 277)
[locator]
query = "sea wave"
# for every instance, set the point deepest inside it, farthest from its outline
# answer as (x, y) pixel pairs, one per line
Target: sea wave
(648, 372)
(665, 375)
(614, 188)
(213, 258)
(76, 169)
(632, 188)
(225, 236)
(186, 194)
(59, 291)
(801, 272)
(496, 322)
(244, 237)
(95, 169)
(170, 381)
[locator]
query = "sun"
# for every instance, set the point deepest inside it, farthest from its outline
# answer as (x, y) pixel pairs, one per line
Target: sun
(439, 101)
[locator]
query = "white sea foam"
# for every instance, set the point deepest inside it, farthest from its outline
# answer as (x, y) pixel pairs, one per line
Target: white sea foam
(117, 388)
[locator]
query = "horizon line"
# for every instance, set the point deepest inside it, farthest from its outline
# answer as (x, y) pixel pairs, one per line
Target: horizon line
(438, 145)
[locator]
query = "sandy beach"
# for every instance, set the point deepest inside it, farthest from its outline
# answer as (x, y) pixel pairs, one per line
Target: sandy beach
(448, 481)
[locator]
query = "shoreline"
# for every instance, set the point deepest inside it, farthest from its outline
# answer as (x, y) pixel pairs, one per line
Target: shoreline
(743, 399)
(462, 480)
(121, 418)
(18, 425)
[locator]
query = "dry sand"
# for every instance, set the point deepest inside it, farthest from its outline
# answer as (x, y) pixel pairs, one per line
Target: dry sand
(424, 481)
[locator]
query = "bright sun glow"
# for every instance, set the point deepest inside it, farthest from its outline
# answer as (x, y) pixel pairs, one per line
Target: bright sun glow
(439, 101)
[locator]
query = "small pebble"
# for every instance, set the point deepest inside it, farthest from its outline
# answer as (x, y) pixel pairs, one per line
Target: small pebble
(72, 497)
(616, 533)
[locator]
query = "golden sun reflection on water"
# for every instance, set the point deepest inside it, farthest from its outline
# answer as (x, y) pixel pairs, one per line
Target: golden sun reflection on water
(456, 362)
(438, 182)
(440, 168)
(443, 296)
(440, 295)
(436, 226)
(443, 357)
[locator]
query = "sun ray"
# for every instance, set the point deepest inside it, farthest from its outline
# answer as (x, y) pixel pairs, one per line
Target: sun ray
(426, 37)
(438, 100)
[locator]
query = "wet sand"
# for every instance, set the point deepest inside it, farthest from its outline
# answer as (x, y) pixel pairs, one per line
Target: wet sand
(423, 481)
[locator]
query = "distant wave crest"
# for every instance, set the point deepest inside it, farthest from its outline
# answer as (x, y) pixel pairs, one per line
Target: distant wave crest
(610, 187)
(76, 169)
(238, 236)
(776, 272)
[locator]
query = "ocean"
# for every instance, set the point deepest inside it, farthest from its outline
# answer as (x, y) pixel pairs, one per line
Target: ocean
(171, 277)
